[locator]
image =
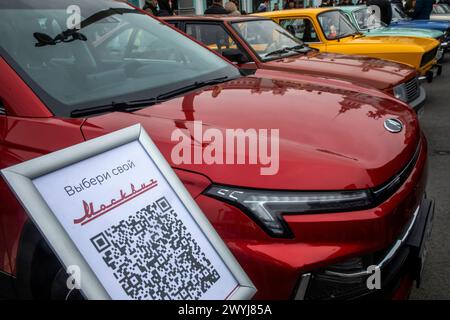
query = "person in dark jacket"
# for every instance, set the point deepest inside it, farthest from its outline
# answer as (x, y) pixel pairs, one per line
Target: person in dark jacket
(167, 7)
(385, 9)
(263, 6)
(216, 8)
(423, 9)
(326, 3)
(346, 3)
(151, 6)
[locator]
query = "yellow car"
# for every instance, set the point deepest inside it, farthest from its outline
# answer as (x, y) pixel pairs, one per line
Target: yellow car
(329, 30)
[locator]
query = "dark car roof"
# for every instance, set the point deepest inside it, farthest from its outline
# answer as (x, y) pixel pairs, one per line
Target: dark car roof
(214, 17)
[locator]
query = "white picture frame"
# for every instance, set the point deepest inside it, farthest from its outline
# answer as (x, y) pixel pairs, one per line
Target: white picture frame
(20, 179)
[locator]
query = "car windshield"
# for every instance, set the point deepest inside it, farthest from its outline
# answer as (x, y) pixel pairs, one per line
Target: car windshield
(398, 14)
(267, 39)
(367, 20)
(118, 54)
(440, 9)
(336, 25)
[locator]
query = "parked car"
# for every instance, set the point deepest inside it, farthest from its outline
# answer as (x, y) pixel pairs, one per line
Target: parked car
(329, 30)
(441, 11)
(359, 16)
(258, 43)
(352, 160)
(401, 20)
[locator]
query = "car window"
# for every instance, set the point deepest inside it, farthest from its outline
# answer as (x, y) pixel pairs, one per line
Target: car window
(301, 28)
(213, 36)
(367, 19)
(119, 54)
(335, 25)
(437, 9)
(267, 39)
(398, 14)
(116, 46)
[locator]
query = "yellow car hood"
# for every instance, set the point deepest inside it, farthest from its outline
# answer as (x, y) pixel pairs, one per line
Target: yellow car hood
(391, 44)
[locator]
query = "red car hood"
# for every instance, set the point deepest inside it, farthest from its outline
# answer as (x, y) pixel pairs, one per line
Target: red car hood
(372, 72)
(331, 137)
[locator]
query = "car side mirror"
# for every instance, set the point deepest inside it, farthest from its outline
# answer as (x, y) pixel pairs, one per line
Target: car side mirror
(235, 55)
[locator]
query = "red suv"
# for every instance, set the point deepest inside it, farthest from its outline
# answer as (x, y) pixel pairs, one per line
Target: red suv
(350, 188)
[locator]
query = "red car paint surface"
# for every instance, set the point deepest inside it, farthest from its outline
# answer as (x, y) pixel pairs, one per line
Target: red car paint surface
(331, 138)
(360, 70)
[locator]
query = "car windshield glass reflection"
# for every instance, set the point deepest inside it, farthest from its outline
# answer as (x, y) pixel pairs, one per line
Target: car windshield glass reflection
(398, 14)
(118, 55)
(367, 20)
(336, 25)
(268, 39)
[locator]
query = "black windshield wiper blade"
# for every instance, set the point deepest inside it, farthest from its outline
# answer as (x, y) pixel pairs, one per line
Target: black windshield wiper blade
(195, 85)
(126, 106)
(130, 106)
(66, 36)
(277, 52)
(70, 35)
(301, 48)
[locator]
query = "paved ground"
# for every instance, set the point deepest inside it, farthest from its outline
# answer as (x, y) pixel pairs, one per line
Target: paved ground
(436, 124)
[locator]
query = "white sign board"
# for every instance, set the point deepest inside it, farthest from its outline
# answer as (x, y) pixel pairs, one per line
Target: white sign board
(113, 208)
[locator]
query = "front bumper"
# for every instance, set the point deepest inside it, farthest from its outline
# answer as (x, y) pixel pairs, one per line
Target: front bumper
(433, 72)
(404, 260)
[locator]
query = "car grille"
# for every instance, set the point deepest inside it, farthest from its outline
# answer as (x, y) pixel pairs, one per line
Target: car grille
(412, 89)
(428, 56)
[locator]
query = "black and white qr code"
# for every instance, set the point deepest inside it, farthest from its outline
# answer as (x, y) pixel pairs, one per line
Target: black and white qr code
(153, 256)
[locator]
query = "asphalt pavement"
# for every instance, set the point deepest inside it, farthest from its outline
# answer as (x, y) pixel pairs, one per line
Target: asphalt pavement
(436, 125)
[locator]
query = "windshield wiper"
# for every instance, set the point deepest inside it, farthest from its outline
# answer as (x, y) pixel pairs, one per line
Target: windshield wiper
(278, 52)
(301, 48)
(125, 106)
(130, 106)
(66, 36)
(73, 34)
(195, 85)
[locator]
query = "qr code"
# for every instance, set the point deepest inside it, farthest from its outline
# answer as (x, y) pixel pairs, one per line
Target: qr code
(153, 256)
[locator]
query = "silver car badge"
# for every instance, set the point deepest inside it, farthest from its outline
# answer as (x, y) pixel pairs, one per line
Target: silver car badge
(393, 125)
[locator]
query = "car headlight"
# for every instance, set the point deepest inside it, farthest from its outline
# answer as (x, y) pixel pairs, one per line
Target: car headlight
(266, 207)
(400, 92)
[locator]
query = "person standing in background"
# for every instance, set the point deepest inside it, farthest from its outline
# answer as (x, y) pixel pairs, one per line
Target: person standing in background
(232, 9)
(264, 6)
(326, 3)
(216, 8)
(276, 7)
(152, 7)
(409, 7)
(299, 5)
(423, 9)
(346, 3)
(167, 7)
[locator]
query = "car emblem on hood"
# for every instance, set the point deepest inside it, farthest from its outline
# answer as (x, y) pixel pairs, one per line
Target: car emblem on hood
(393, 125)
